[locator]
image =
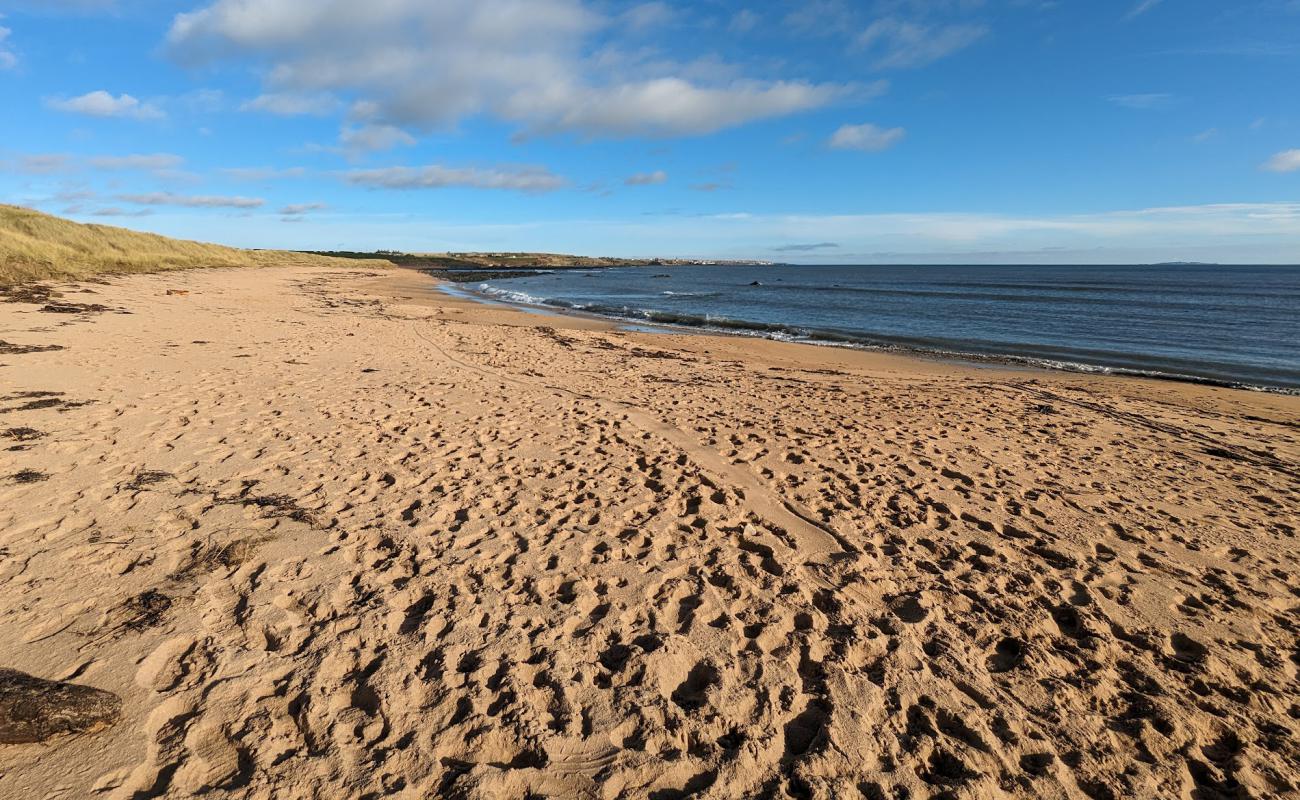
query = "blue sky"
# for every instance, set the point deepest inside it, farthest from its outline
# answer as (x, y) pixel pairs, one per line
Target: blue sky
(870, 131)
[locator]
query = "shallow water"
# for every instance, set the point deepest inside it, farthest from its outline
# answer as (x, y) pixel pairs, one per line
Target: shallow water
(1232, 325)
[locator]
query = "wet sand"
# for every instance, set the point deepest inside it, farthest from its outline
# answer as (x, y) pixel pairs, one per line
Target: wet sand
(334, 534)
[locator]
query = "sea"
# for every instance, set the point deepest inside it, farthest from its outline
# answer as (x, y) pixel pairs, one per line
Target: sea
(1223, 325)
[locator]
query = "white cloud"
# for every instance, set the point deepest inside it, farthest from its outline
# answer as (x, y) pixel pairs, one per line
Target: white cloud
(648, 15)
(867, 137)
(647, 178)
(522, 179)
(1285, 161)
(102, 104)
(191, 201)
(202, 101)
(298, 209)
(744, 21)
(899, 44)
(8, 58)
(115, 211)
(1141, 8)
(822, 17)
(367, 138)
(667, 106)
(805, 248)
(62, 5)
(1142, 102)
(153, 162)
(40, 164)
(264, 173)
(288, 104)
(543, 65)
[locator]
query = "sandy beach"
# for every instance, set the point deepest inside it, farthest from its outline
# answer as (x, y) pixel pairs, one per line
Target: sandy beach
(331, 533)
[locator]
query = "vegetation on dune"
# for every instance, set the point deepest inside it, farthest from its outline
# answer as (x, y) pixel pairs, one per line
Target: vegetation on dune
(36, 246)
(476, 261)
(490, 261)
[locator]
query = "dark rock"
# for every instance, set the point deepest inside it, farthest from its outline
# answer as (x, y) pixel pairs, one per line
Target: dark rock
(35, 710)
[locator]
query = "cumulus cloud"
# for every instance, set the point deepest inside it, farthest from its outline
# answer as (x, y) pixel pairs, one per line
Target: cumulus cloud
(529, 179)
(899, 44)
(191, 201)
(668, 106)
(1285, 161)
(416, 65)
(647, 178)
(102, 104)
(866, 137)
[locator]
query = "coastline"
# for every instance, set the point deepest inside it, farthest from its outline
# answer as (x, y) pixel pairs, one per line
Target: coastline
(782, 333)
(330, 532)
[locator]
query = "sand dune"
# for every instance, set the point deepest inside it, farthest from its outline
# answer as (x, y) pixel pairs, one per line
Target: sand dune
(36, 246)
(330, 534)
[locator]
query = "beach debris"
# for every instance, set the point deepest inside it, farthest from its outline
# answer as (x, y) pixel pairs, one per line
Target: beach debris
(143, 611)
(29, 476)
(208, 557)
(272, 506)
(11, 349)
(74, 308)
(22, 434)
(146, 478)
(39, 400)
(35, 710)
(32, 293)
(178, 291)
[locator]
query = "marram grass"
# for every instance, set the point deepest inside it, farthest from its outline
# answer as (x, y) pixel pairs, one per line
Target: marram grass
(36, 246)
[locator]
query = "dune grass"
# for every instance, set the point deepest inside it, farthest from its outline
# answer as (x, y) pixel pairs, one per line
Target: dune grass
(36, 246)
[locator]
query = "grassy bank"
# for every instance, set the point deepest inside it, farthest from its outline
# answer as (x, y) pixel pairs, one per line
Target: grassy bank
(36, 246)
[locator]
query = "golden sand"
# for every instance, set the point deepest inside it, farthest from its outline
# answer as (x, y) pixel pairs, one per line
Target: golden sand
(331, 534)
